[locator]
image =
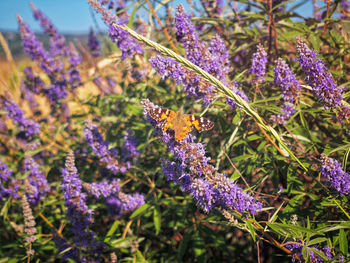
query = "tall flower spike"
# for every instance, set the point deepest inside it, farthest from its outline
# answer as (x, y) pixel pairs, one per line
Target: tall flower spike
(103, 188)
(318, 77)
(100, 148)
(296, 247)
(28, 127)
(80, 216)
(191, 169)
(121, 203)
(259, 62)
(94, 44)
(336, 177)
(57, 41)
(286, 80)
(12, 184)
(127, 44)
(29, 222)
(35, 50)
(36, 179)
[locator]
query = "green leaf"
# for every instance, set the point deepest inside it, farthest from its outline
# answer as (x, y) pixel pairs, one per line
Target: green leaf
(343, 242)
(183, 246)
(112, 230)
(251, 229)
(157, 219)
(140, 211)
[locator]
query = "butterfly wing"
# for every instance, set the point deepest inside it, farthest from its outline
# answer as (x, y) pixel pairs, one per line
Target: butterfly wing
(201, 124)
(161, 114)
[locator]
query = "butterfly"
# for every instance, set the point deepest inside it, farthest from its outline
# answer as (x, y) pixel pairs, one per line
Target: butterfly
(181, 123)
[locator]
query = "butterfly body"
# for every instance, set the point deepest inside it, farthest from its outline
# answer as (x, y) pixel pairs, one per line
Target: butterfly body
(182, 124)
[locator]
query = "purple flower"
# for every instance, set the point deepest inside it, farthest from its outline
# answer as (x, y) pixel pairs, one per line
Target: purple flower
(36, 179)
(80, 216)
(28, 127)
(57, 91)
(191, 83)
(12, 184)
(103, 188)
(34, 48)
(73, 56)
(296, 247)
(127, 44)
(205, 193)
(120, 204)
(57, 41)
(240, 93)
(288, 111)
(259, 62)
(285, 79)
(94, 44)
(336, 177)
(220, 58)
(74, 78)
(32, 82)
(100, 148)
(318, 77)
(343, 114)
(129, 152)
(190, 168)
(187, 35)
(345, 9)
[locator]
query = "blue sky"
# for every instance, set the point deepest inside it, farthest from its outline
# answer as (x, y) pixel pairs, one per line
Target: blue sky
(69, 16)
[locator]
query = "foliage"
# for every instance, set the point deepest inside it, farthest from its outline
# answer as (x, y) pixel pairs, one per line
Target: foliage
(94, 168)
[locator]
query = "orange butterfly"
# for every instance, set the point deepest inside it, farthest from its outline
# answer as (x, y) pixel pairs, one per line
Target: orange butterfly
(181, 123)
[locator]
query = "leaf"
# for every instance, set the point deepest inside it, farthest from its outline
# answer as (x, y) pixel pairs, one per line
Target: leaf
(140, 257)
(199, 247)
(112, 230)
(131, 19)
(343, 242)
(140, 211)
(183, 246)
(251, 229)
(157, 219)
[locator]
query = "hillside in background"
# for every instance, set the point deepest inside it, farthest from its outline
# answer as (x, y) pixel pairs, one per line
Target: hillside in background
(15, 43)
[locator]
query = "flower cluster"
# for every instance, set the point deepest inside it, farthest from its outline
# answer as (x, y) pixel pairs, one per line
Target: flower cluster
(58, 48)
(29, 223)
(297, 246)
(57, 41)
(100, 148)
(290, 86)
(28, 127)
(94, 44)
(52, 67)
(122, 38)
(103, 188)
(214, 59)
(80, 216)
(13, 184)
(36, 179)
(129, 152)
(318, 77)
(122, 203)
(191, 169)
(35, 50)
(336, 177)
(32, 82)
(259, 62)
